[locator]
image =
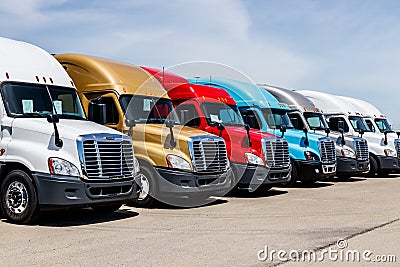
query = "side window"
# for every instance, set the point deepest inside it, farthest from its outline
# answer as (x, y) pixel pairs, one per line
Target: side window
(296, 120)
(188, 115)
(112, 116)
(370, 125)
(250, 118)
(334, 124)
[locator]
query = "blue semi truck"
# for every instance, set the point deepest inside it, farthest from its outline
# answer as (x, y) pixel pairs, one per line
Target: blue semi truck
(313, 155)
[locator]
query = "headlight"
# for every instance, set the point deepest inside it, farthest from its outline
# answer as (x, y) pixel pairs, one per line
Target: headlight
(347, 153)
(62, 167)
(253, 159)
(176, 162)
(311, 156)
(137, 166)
(390, 153)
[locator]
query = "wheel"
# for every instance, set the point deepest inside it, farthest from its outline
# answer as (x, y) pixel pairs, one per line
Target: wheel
(107, 208)
(148, 188)
(19, 202)
(294, 177)
(373, 167)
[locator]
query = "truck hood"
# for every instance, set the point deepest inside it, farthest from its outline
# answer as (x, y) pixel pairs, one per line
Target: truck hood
(68, 129)
(182, 133)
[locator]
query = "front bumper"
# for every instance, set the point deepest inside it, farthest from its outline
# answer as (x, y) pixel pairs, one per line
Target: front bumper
(65, 191)
(389, 164)
(249, 176)
(351, 166)
(311, 171)
(173, 182)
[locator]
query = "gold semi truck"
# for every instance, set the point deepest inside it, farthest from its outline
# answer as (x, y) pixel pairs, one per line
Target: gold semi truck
(178, 164)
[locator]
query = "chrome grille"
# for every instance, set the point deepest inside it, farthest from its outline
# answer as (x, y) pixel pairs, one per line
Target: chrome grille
(361, 148)
(209, 154)
(276, 153)
(108, 157)
(327, 150)
(397, 142)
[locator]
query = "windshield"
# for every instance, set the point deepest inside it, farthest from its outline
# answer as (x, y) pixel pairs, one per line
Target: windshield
(315, 121)
(384, 125)
(221, 113)
(359, 123)
(147, 109)
(27, 100)
(276, 118)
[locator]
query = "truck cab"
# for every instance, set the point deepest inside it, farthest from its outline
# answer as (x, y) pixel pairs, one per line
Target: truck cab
(259, 160)
(351, 151)
(179, 165)
(51, 156)
(305, 149)
(338, 111)
(377, 122)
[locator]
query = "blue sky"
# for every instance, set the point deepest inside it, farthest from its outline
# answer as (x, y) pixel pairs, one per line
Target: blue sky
(343, 47)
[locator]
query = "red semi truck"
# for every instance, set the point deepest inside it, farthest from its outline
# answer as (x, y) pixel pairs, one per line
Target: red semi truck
(258, 160)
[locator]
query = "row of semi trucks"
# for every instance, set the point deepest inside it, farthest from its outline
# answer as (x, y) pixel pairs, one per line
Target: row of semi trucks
(168, 139)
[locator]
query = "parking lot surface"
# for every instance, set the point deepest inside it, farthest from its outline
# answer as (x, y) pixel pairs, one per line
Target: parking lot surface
(363, 214)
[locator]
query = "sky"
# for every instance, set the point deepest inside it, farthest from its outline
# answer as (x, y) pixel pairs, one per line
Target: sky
(344, 47)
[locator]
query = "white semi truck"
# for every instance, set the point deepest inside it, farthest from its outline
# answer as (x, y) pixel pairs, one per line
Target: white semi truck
(377, 122)
(50, 155)
(351, 151)
(339, 111)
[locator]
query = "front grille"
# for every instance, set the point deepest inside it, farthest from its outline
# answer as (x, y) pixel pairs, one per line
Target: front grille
(107, 159)
(361, 148)
(276, 153)
(327, 150)
(209, 154)
(397, 142)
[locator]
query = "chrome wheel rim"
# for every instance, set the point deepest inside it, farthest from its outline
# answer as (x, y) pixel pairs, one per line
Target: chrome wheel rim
(17, 197)
(145, 187)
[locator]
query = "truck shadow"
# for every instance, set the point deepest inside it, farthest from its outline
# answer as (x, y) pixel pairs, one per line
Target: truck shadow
(258, 194)
(211, 202)
(313, 185)
(77, 217)
(346, 180)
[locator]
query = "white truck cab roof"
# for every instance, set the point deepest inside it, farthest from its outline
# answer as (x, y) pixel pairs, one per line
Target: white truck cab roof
(25, 62)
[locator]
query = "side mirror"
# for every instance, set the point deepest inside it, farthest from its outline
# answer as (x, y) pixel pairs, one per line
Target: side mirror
(169, 123)
(97, 113)
(327, 131)
(221, 127)
(341, 126)
(295, 122)
(306, 142)
(130, 123)
(53, 118)
(247, 127)
(386, 139)
(282, 129)
(362, 132)
(398, 134)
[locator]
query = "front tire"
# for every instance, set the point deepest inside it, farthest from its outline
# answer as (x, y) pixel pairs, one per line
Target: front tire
(373, 167)
(19, 202)
(148, 188)
(293, 177)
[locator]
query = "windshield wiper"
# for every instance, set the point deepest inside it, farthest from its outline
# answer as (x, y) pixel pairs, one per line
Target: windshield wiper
(35, 114)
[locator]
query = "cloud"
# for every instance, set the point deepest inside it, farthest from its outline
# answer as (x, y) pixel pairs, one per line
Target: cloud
(348, 47)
